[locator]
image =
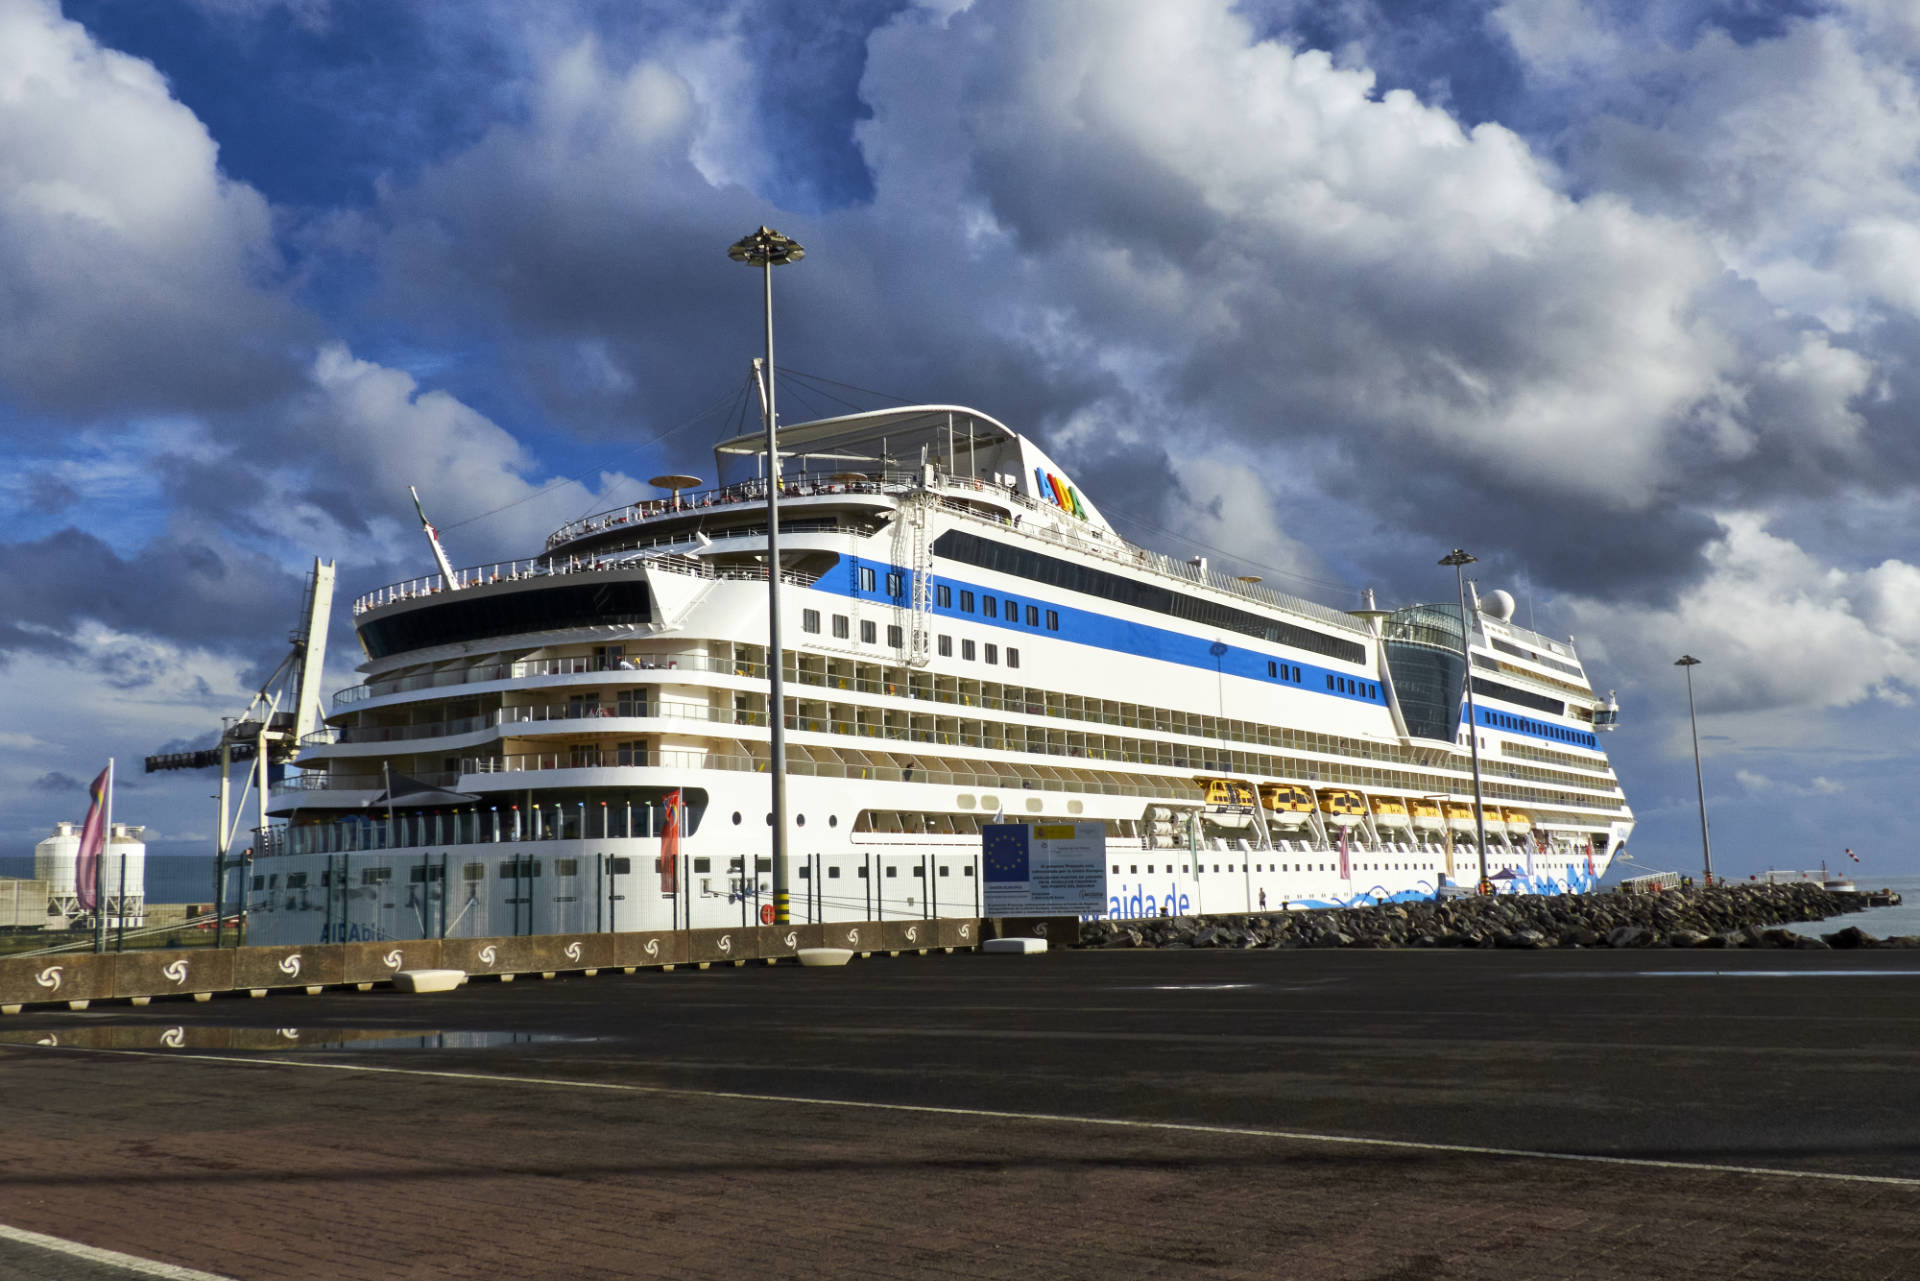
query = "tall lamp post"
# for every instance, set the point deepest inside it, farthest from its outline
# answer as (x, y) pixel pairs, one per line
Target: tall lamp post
(1459, 559)
(1689, 662)
(766, 249)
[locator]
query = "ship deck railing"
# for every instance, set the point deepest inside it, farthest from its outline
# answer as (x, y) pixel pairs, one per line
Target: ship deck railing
(510, 571)
(953, 493)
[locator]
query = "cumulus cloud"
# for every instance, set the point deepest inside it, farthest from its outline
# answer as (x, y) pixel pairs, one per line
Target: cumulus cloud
(133, 275)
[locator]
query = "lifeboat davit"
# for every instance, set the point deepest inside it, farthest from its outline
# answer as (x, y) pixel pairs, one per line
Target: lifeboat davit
(1342, 806)
(1426, 815)
(1390, 811)
(1288, 805)
(1229, 802)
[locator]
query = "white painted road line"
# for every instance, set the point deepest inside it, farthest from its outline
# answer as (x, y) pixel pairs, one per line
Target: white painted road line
(1036, 1118)
(106, 1258)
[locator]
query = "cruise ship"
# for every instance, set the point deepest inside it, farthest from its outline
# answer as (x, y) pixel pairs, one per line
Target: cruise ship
(580, 740)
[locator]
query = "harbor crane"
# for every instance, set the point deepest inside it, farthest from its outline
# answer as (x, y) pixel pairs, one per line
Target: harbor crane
(268, 732)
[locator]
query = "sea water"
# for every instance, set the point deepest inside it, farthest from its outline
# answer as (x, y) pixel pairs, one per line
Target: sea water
(1880, 922)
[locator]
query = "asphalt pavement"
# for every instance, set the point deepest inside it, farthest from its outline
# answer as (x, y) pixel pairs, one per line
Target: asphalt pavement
(1082, 1114)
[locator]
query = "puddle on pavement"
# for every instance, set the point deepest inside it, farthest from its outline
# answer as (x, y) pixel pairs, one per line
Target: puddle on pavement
(155, 1036)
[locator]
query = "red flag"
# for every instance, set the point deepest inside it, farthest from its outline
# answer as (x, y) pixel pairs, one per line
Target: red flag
(1590, 856)
(93, 842)
(670, 846)
(1853, 856)
(1345, 873)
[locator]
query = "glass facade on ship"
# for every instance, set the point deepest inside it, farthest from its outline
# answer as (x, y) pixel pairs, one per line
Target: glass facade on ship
(962, 645)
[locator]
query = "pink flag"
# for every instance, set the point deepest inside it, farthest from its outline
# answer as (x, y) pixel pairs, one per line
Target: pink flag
(93, 841)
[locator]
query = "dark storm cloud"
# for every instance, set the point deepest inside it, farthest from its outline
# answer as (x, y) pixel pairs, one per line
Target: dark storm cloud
(56, 783)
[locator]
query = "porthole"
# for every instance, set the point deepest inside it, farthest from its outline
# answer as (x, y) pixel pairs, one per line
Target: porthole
(736, 818)
(833, 820)
(800, 820)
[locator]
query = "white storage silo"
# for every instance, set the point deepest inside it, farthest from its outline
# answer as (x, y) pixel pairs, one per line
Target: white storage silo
(128, 842)
(54, 861)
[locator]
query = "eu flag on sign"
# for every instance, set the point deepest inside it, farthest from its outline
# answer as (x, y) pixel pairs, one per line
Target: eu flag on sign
(1004, 851)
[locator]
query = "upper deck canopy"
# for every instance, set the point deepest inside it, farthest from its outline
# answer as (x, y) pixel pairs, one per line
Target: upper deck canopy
(958, 440)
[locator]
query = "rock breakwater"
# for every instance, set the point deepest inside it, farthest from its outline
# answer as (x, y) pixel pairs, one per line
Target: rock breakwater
(1720, 916)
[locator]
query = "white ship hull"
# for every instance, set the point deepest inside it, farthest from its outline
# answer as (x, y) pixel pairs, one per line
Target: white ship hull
(958, 651)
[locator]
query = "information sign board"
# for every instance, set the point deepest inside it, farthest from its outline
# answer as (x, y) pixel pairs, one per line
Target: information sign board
(1044, 869)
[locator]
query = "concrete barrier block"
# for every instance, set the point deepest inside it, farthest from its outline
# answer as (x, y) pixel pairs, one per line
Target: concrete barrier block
(65, 977)
(782, 941)
(654, 947)
(182, 972)
(910, 936)
(959, 933)
(553, 953)
(497, 955)
(723, 946)
(309, 965)
(856, 936)
(376, 962)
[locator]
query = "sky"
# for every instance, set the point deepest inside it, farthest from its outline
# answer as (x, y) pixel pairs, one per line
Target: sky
(1624, 298)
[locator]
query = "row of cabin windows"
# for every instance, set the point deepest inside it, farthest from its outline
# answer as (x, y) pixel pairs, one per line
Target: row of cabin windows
(970, 652)
(1007, 609)
(1347, 685)
(1283, 672)
(843, 629)
(516, 869)
(896, 585)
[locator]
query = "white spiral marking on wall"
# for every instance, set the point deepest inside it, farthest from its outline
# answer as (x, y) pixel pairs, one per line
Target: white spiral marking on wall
(573, 950)
(290, 966)
(176, 971)
(393, 959)
(289, 1033)
(726, 943)
(913, 934)
(853, 936)
(966, 931)
(174, 1037)
(49, 978)
(488, 954)
(793, 940)
(51, 1038)
(653, 947)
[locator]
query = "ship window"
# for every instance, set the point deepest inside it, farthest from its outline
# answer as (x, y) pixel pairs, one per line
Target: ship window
(869, 632)
(473, 871)
(703, 865)
(893, 871)
(810, 621)
(1116, 869)
(943, 596)
(566, 867)
(895, 637)
(1053, 620)
(967, 870)
(966, 650)
(945, 870)
(993, 653)
(893, 582)
(866, 578)
(1033, 616)
(833, 873)
(1329, 682)
(863, 872)
(989, 606)
(1273, 669)
(841, 627)
(1013, 657)
(298, 880)
(946, 647)
(966, 601)
(620, 866)
(736, 818)
(1010, 610)
(806, 873)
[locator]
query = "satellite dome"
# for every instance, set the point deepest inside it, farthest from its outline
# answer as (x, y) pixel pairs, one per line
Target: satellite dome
(1498, 605)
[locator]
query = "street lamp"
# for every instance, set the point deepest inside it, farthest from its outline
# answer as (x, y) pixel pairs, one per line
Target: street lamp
(1459, 559)
(765, 249)
(1689, 662)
